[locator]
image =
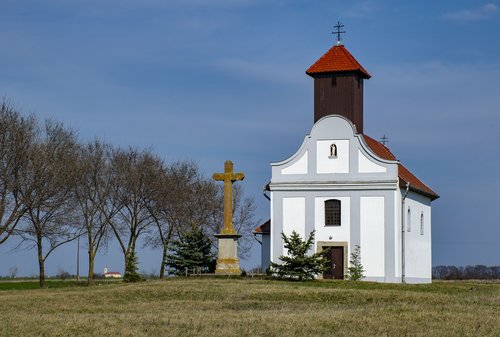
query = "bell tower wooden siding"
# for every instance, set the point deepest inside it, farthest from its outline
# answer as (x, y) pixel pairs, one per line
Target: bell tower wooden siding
(338, 85)
(339, 94)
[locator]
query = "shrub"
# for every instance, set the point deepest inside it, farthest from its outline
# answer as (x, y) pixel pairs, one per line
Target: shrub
(131, 266)
(192, 252)
(355, 270)
(13, 272)
(298, 264)
(63, 274)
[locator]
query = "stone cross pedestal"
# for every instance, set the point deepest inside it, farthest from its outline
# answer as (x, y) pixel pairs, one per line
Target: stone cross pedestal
(227, 258)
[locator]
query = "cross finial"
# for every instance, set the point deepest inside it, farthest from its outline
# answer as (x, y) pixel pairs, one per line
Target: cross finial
(384, 140)
(339, 31)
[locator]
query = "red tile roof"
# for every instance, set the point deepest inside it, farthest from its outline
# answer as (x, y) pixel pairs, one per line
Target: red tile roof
(337, 59)
(405, 176)
(265, 228)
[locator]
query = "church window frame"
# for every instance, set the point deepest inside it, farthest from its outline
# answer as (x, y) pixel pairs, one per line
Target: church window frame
(333, 212)
(422, 223)
(408, 220)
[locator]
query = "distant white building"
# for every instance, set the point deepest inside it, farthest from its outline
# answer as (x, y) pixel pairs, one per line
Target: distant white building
(111, 274)
(349, 188)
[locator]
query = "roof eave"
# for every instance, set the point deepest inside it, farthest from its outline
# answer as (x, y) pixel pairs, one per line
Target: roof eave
(433, 196)
(364, 74)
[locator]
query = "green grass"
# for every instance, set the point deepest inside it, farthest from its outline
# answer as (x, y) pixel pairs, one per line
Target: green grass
(252, 307)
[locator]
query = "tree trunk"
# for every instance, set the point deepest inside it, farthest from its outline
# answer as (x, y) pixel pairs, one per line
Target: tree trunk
(41, 262)
(90, 277)
(163, 260)
(126, 259)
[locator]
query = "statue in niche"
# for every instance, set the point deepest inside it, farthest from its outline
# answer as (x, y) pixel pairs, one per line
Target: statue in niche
(333, 151)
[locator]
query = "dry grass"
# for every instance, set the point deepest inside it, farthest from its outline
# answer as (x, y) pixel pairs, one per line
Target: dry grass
(249, 307)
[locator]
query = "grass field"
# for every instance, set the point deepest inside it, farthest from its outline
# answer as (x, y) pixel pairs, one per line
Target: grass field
(251, 307)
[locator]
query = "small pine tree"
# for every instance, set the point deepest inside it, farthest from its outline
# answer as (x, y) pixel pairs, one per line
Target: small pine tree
(355, 270)
(297, 264)
(191, 251)
(131, 267)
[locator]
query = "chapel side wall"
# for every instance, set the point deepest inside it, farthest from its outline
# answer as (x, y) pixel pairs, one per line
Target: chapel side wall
(418, 247)
(265, 251)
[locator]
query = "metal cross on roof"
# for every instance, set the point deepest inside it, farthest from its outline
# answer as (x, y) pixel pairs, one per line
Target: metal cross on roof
(384, 140)
(339, 31)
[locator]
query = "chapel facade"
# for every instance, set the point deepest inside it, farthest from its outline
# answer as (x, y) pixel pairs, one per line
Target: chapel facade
(349, 188)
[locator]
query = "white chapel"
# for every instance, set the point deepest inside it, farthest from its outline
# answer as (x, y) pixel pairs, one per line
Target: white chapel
(349, 188)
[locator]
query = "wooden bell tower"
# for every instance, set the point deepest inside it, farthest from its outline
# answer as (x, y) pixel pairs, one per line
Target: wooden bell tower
(338, 85)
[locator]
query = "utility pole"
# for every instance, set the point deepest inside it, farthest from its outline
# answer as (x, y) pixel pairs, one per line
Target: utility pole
(78, 260)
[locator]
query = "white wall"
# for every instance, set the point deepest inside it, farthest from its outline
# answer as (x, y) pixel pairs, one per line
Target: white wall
(365, 165)
(337, 233)
(418, 248)
(294, 216)
(326, 164)
(372, 220)
(299, 167)
(397, 233)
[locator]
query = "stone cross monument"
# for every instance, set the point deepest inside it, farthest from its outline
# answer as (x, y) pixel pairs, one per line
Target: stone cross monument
(227, 259)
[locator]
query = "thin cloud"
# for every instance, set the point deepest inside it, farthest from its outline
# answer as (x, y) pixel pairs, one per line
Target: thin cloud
(359, 10)
(482, 13)
(280, 73)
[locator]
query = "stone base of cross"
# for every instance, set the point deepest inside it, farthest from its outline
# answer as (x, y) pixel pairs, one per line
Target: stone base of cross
(227, 259)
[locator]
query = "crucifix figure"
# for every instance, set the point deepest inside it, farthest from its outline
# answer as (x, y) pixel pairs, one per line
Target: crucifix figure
(228, 177)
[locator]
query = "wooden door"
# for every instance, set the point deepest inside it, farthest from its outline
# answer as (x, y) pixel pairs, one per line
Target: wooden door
(336, 266)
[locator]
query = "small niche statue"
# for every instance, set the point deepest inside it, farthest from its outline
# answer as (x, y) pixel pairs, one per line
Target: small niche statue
(333, 151)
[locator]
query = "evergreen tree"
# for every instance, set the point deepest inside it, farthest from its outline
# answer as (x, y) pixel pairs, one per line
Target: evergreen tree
(298, 264)
(355, 270)
(131, 266)
(191, 251)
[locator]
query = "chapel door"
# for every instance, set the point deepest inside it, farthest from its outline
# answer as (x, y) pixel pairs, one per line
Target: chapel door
(336, 265)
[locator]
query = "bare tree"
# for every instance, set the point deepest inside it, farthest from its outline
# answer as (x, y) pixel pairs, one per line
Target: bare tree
(46, 189)
(93, 197)
(134, 172)
(16, 136)
(186, 200)
(182, 201)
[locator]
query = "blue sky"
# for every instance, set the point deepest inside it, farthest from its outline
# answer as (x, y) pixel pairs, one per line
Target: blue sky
(224, 79)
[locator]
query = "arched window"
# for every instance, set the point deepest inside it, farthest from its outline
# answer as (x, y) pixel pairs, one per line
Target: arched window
(332, 212)
(408, 221)
(422, 223)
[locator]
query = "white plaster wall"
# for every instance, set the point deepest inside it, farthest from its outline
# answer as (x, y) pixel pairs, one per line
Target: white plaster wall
(325, 164)
(365, 165)
(418, 248)
(299, 167)
(273, 229)
(372, 219)
(338, 233)
(397, 233)
(294, 216)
